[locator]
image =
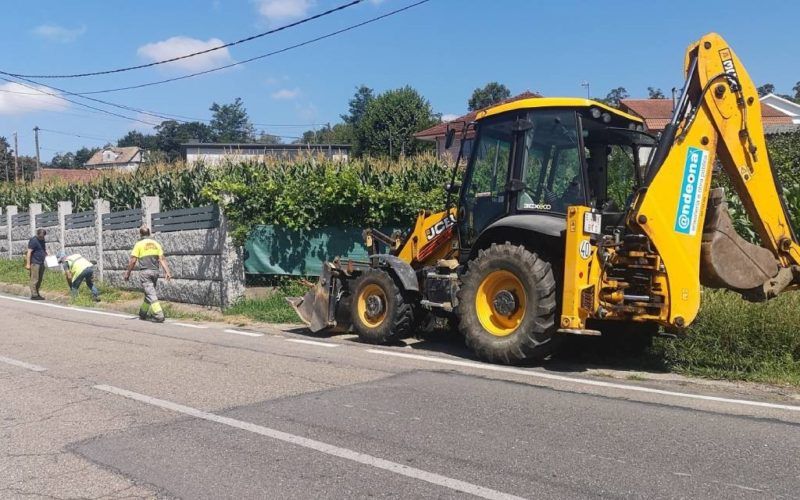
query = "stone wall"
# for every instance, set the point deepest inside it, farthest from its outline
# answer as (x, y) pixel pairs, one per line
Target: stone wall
(82, 241)
(206, 268)
(194, 257)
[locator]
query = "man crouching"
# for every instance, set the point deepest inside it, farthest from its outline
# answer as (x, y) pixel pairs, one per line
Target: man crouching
(149, 254)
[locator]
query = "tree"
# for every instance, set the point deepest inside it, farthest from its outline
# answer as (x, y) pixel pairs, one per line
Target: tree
(265, 138)
(170, 135)
(655, 93)
(231, 123)
(65, 160)
(148, 142)
(491, 93)
(6, 160)
(390, 121)
(765, 89)
(341, 133)
(83, 155)
(358, 105)
(615, 95)
(796, 89)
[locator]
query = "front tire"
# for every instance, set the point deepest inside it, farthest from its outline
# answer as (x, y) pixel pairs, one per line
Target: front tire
(380, 314)
(507, 305)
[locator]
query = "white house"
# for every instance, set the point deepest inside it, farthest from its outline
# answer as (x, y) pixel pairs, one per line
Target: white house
(128, 159)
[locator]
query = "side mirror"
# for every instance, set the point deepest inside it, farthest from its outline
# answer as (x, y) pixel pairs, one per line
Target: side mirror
(448, 141)
(452, 188)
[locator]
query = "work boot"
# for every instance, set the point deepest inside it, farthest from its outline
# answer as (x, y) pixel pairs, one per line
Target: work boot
(96, 299)
(37, 297)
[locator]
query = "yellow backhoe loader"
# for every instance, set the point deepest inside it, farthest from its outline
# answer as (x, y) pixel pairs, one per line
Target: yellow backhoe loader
(572, 219)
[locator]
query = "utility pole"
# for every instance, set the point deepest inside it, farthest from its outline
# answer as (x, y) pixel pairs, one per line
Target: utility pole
(588, 93)
(38, 162)
(16, 158)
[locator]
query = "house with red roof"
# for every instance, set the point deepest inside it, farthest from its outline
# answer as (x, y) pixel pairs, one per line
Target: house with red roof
(657, 113)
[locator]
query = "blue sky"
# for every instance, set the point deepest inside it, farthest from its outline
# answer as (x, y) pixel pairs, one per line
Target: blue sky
(444, 48)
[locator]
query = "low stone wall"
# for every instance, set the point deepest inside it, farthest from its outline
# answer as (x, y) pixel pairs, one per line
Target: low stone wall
(207, 268)
(82, 241)
(3, 240)
(194, 257)
(20, 236)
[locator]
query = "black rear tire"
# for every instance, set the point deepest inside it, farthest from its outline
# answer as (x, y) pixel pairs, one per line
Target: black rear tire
(527, 333)
(379, 311)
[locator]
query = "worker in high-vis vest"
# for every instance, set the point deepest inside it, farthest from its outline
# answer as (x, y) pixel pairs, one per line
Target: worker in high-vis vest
(78, 269)
(149, 255)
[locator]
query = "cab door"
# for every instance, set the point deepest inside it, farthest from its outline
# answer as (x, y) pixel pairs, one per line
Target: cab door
(484, 195)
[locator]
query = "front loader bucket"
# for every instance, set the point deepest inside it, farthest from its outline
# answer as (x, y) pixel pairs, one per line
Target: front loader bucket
(322, 308)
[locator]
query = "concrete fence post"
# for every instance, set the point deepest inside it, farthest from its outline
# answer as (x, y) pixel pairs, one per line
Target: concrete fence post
(64, 208)
(100, 207)
(34, 209)
(232, 265)
(11, 211)
(150, 205)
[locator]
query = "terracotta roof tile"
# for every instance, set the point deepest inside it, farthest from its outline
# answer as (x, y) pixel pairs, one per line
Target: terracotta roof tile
(77, 175)
(657, 112)
(124, 155)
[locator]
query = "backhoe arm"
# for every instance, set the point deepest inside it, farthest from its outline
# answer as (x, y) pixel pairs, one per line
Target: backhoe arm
(718, 117)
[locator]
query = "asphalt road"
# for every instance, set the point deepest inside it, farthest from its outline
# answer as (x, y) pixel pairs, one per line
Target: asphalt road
(105, 406)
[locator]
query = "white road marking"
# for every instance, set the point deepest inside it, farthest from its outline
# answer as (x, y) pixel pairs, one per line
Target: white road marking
(56, 306)
(312, 342)
(22, 364)
(329, 449)
(246, 334)
(189, 325)
(595, 383)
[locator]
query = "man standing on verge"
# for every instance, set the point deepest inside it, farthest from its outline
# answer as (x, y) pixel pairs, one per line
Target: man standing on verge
(149, 254)
(78, 269)
(34, 262)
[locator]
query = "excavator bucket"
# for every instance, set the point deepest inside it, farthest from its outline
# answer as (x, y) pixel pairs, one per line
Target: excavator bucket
(322, 308)
(729, 261)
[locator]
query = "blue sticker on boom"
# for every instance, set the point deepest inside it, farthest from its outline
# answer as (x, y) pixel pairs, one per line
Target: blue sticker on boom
(691, 195)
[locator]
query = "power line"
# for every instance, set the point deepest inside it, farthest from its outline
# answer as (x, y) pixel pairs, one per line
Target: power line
(194, 54)
(262, 56)
(79, 103)
(77, 135)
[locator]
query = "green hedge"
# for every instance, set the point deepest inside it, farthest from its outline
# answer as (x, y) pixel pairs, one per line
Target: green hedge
(310, 194)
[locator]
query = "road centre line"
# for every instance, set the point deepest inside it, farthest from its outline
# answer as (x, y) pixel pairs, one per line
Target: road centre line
(312, 342)
(240, 332)
(56, 306)
(595, 383)
(329, 449)
(22, 364)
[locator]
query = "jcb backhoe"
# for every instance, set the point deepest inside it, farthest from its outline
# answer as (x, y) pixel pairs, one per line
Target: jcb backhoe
(571, 219)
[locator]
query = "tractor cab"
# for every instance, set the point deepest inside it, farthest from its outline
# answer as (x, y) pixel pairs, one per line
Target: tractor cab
(534, 158)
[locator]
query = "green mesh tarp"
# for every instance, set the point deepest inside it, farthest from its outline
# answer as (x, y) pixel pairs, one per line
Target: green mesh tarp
(279, 251)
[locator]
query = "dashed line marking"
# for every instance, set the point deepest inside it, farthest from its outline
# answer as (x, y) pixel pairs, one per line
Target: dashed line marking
(319, 446)
(595, 383)
(241, 332)
(189, 325)
(312, 342)
(22, 364)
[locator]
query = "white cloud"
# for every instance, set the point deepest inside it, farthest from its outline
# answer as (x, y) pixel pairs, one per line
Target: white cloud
(448, 117)
(58, 33)
(286, 94)
(17, 99)
(181, 45)
(280, 10)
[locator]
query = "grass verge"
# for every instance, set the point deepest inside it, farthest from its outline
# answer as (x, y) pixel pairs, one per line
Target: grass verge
(273, 308)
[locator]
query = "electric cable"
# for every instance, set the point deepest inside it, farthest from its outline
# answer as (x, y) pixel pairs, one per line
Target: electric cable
(194, 54)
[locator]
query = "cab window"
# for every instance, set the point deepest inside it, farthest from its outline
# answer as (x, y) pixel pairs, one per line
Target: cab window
(551, 164)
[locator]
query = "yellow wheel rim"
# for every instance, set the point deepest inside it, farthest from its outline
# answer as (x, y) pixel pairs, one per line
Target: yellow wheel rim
(505, 321)
(371, 305)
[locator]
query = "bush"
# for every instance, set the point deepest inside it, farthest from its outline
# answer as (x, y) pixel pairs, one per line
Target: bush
(313, 193)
